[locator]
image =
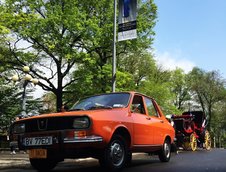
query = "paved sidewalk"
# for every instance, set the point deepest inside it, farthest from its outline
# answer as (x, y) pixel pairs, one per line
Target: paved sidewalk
(20, 159)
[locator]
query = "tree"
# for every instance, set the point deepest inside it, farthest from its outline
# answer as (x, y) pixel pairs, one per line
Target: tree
(59, 36)
(218, 123)
(208, 89)
(49, 102)
(139, 63)
(9, 104)
(179, 87)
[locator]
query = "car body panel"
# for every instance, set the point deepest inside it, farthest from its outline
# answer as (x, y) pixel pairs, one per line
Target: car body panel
(142, 131)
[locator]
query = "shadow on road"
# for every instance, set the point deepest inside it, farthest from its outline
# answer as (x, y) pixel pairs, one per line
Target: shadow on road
(93, 166)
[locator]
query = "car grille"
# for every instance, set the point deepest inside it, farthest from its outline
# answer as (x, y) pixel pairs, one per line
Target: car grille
(48, 124)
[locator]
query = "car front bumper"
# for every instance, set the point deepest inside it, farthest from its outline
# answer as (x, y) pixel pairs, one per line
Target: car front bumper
(63, 146)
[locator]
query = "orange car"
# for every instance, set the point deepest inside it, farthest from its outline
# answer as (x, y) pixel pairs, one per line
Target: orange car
(109, 127)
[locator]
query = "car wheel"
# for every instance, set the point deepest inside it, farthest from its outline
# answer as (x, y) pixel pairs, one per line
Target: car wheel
(207, 140)
(115, 155)
(165, 152)
(43, 164)
(193, 142)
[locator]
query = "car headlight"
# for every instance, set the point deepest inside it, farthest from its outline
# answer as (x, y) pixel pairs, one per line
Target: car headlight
(81, 122)
(18, 128)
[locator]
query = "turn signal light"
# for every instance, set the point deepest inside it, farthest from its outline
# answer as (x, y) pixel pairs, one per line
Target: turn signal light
(80, 134)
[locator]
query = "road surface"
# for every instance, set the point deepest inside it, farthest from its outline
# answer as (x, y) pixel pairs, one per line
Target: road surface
(186, 161)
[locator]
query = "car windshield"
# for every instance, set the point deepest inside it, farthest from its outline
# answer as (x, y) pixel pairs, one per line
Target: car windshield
(104, 101)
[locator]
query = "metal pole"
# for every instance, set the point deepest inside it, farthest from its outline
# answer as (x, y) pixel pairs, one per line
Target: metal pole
(23, 113)
(114, 50)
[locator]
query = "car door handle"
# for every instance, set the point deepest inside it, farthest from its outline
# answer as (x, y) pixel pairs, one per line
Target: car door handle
(148, 118)
(161, 121)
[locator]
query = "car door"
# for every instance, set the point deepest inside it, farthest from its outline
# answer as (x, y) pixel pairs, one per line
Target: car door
(143, 133)
(157, 123)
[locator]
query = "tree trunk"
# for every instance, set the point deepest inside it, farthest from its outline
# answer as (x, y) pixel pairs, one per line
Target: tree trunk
(59, 102)
(59, 94)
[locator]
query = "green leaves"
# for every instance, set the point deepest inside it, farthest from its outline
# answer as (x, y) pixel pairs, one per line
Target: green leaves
(9, 105)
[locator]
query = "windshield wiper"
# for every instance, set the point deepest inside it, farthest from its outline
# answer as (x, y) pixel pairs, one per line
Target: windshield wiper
(78, 109)
(100, 107)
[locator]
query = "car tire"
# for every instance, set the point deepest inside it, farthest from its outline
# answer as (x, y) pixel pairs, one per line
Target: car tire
(43, 164)
(115, 155)
(165, 152)
(129, 158)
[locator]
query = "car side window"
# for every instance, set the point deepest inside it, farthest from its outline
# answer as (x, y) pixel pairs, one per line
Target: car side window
(138, 105)
(151, 108)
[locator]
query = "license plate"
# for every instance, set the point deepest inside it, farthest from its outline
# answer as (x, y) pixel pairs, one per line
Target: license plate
(38, 153)
(38, 141)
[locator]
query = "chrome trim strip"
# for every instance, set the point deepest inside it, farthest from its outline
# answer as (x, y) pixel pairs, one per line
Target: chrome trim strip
(87, 139)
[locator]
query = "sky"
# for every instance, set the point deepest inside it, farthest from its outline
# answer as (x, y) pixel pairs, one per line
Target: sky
(191, 33)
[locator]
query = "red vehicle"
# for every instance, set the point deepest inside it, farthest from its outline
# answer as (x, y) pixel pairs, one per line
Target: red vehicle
(109, 127)
(191, 130)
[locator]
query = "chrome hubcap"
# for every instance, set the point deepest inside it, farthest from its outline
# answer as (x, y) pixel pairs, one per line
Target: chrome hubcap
(167, 150)
(116, 153)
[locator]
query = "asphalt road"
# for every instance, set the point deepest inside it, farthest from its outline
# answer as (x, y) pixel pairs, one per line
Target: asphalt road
(198, 161)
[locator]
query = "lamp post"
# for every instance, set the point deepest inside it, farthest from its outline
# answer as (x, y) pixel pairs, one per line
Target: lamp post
(26, 79)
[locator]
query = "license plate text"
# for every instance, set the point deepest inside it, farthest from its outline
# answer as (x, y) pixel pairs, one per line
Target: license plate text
(35, 141)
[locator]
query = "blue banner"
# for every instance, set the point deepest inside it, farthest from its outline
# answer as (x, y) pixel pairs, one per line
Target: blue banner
(127, 20)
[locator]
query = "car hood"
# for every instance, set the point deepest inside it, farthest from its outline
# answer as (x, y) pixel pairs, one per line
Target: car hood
(98, 112)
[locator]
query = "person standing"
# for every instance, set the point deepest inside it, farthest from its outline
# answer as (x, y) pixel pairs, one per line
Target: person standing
(9, 137)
